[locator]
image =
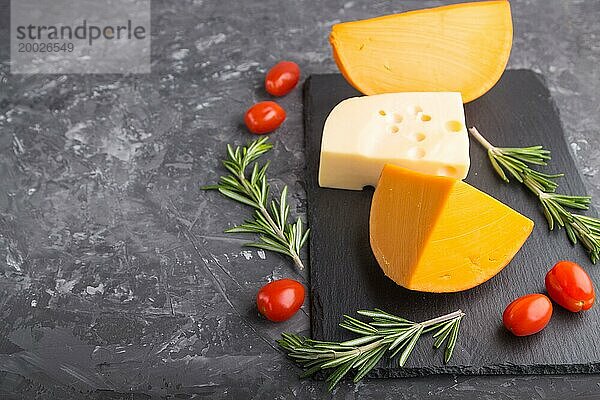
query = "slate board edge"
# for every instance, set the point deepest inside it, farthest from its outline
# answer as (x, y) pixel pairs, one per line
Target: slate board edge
(406, 372)
(316, 307)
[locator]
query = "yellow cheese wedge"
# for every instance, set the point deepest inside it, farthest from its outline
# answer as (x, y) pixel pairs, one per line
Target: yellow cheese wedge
(437, 234)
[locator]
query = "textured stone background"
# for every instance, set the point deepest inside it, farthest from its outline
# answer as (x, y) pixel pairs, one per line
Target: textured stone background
(115, 278)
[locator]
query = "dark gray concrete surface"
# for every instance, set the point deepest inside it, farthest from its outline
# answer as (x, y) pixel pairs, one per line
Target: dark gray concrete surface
(116, 281)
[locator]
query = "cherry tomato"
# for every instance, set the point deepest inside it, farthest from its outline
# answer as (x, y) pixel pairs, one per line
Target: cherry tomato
(570, 286)
(280, 299)
(528, 314)
(282, 78)
(264, 117)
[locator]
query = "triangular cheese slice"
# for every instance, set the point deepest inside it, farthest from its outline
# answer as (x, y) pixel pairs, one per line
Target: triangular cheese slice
(437, 234)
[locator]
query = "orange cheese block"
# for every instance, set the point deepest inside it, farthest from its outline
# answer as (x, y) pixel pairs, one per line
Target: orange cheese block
(438, 234)
(456, 48)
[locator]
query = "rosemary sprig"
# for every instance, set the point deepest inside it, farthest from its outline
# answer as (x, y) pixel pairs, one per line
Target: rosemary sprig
(516, 161)
(270, 218)
(384, 333)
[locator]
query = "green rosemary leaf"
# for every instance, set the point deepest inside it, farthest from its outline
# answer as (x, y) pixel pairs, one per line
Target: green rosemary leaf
(231, 167)
(331, 347)
(231, 153)
(254, 175)
(360, 341)
(298, 233)
(263, 171)
(313, 363)
(514, 163)
(390, 324)
(354, 329)
(497, 167)
(292, 339)
(230, 181)
(434, 327)
(443, 330)
(310, 352)
(368, 366)
(275, 242)
(237, 197)
(268, 247)
(303, 356)
(577, 202)
(510, 167)
(590, 221)
(539, 181)
(364, 357)
(311, 371)
(402, 337)
(555, 212)
(338, 375)
(284, 209)
(409, 347)
(529, 155)
(304, 237)
(337, 361)
(548, 216)
(377, 313)
(275, 214)
(264, 191)
(441, 339)
(401, 347)
(452, 340)
(359, 323)
(210, 187)
(571, 234)
(244, 229)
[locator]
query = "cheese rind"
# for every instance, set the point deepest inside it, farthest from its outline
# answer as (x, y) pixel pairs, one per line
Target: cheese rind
(461, 47)
(421, 131)
(438, 234)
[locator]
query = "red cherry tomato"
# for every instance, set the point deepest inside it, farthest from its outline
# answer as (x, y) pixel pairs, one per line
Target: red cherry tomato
(528, 314)
(570, 286)
(264, 117)
(282, 78)
(280, 299)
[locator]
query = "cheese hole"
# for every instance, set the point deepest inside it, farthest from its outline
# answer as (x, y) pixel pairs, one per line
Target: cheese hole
(394, 129)
(416, 152)
(382, 113)
(447, 171)
(398, 118)
(454, 126)
(420, 136)
(425, 117)
(414, 110)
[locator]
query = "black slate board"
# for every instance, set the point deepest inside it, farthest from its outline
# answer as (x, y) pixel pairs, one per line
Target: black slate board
(345, 277)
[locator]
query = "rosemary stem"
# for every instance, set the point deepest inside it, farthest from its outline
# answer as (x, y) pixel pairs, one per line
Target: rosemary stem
(398, 338)
(475, 133)
(443, 318)
(360, 349)
(265, 213)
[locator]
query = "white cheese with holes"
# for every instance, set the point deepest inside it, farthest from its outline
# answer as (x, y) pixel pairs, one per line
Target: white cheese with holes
(424, 132)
